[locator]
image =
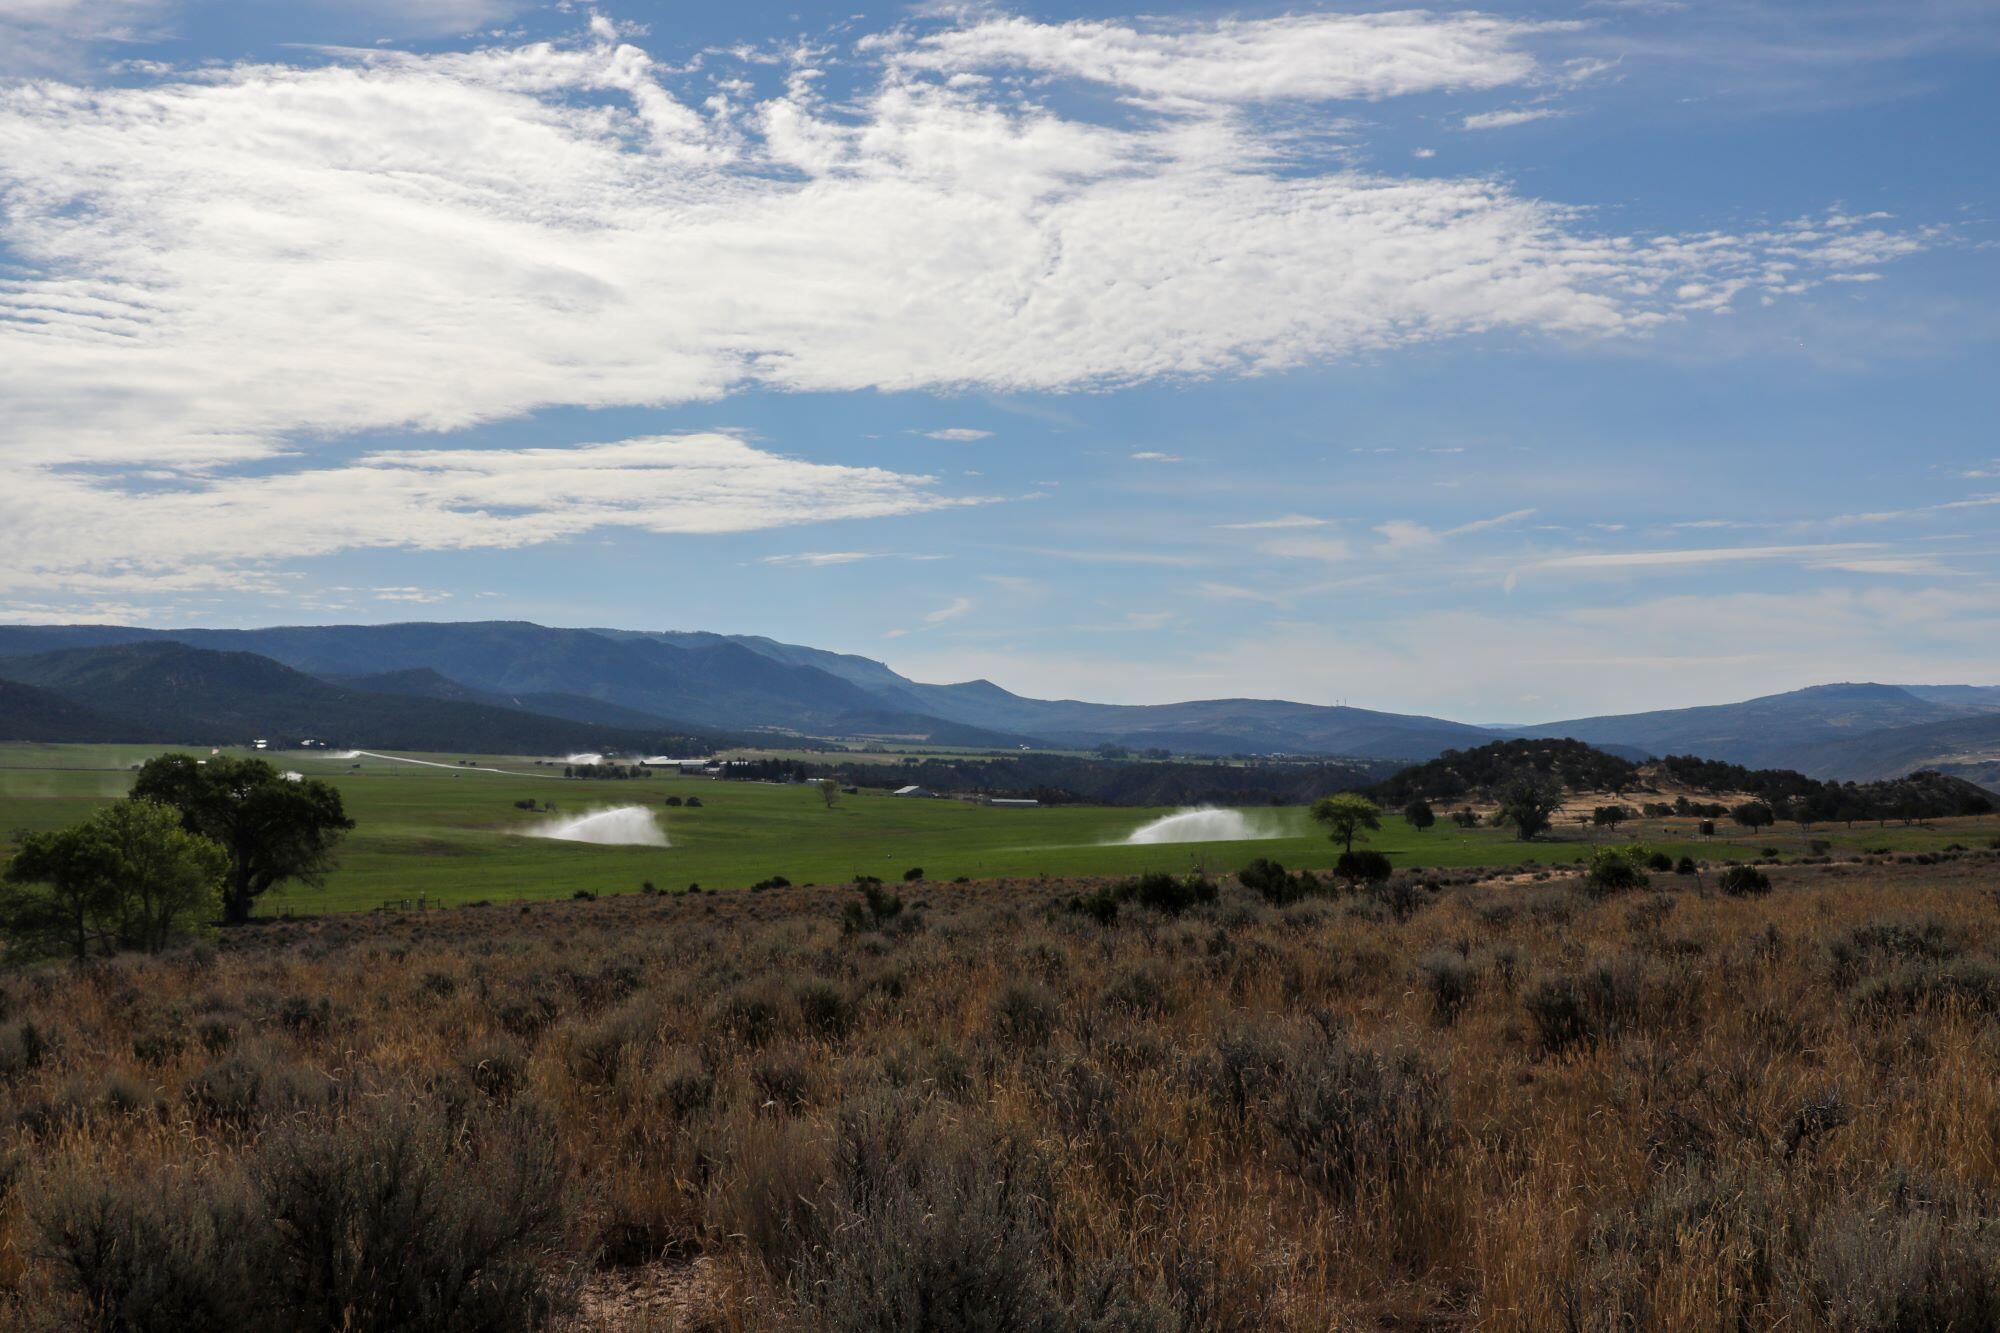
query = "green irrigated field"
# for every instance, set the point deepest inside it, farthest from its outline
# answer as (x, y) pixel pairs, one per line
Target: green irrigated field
(448, 833)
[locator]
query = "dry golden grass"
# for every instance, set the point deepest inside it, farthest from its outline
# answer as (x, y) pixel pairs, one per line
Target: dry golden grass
(1520, 1107)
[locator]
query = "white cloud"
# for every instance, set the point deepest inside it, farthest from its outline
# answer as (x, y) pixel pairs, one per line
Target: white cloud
(1111, 557)
(818, 559)
(1232, 592)
(214, 271)
(1400, 535)
(958, 434)
(1131, 622)
(1308, 56)
(73, 530)
(957, 607)
(1154, 456)
(1891, 564)
(1329, 549)
(1715, 555)
(1280, 522)
(1500, 120)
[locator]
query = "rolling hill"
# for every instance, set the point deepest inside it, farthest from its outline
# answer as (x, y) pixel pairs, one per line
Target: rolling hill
(31, 714)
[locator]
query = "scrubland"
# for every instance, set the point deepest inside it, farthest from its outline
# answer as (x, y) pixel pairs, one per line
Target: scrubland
(1469, 1102)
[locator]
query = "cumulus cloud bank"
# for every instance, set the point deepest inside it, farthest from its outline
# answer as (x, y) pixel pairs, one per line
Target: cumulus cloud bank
(215, 270)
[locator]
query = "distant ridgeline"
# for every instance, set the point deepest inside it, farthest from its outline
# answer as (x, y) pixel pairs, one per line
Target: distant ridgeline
(1477, 774)
(1068, 779)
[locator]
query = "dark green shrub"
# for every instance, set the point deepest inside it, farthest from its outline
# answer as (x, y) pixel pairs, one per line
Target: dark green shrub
(1363, 867)
(1168, 894)
(876, 910)
(1101, 906)
(1402, 897)
(1742, 881)
(1274, 884)
(1615, 870)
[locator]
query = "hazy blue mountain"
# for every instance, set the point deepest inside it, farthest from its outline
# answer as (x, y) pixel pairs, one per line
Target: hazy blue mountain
(424, 683)
(1768, 732)
(1966, 747)
(693, 680)
(1985, 698)
(1218, 726)
(177, 692)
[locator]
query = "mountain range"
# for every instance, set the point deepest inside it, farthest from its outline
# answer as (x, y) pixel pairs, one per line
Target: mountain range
(543, 689)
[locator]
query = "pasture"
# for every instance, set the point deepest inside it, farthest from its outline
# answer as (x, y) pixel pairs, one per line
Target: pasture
(447, 833)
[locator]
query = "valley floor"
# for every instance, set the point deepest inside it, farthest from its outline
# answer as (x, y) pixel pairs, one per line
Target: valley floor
(439, 830)
(1501, 1104)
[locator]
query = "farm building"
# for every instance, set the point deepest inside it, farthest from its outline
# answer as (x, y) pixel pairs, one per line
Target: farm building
(914, 790)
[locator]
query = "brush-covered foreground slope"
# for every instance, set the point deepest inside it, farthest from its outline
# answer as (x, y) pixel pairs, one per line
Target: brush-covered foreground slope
(1508, 1106)
(200, 696)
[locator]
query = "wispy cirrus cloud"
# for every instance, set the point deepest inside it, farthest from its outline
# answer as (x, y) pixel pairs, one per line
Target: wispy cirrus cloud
(1711, 555)
(1318, 57)
(1405, 535)
(823, 559)
(69, 529)
(214, 271)
(955, 609)
(1508, 117)
(1279, 523)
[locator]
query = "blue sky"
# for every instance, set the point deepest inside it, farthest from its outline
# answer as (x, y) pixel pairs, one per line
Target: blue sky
(1505, 364)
